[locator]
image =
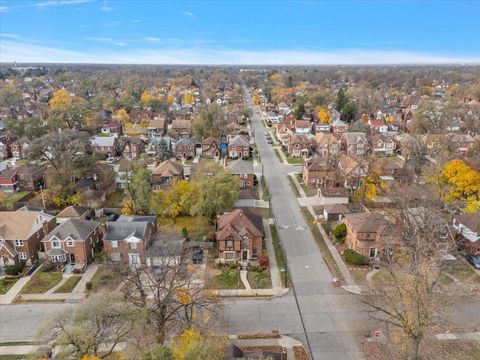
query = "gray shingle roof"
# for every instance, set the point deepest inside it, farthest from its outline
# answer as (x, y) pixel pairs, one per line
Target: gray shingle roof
(241, 167)
(77, 229)
(123, 229)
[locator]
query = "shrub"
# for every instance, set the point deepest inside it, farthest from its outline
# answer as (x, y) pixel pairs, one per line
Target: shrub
(15, 269)
(88, 286)
(48, 267)
(258, 269)
(340, 231)
(264, 261)
(234, 266)
(354, 258)
(185, 233)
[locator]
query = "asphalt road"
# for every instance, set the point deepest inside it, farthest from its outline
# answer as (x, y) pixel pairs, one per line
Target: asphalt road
(333, 318)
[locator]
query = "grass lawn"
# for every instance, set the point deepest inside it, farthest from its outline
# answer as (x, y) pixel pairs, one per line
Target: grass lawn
(188, 162)
(322, 245)
(41, 282)
(69, 285)
(197, 226)
(13, 198)
(308, 190)
(293, 160)
(259, 280)
(277, 248)
(104, 278)
(279, 157)
(13, 357)
(18, 343)
(382, 278)
(228, 279)
(265, 191)
(462, 271)
(293, 186)
(6, 284)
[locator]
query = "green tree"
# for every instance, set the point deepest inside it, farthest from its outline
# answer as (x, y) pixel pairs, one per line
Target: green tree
(29, 127)
(299, 110)
(342, 100)
(340, 231)
(10, 98)
(164, 150)
(349, 112)
(217, 191)
(137, 190)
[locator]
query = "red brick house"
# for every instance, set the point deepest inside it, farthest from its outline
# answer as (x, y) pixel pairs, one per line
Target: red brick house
(467, 227)
(128, 238)
(300, 146)
(20, 235)
(239, 235)
(9, 180)
(166, 173)
(73, 242)
(31, 176)
(244, 171)
(211, 148)
(319, 172)
(131, 147)
(239, 147)
(186, 148)
(19, 147)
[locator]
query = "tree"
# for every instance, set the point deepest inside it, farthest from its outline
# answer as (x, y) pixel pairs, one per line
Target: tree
(340, 231)
(342, 100)
(164, 150)
(463, 184)
(193, 345)
(289, 82)
(170, 295)
(323, 115)
(349, 112)
(188, 98)
(216, 193)
(65, 152)
(177, 200)
(66, 111)
(10, 98)
(137, 190)
(413, 301)
(31, 127)
(3, 198)
(95, 327)
(121, 115)
(299, 110)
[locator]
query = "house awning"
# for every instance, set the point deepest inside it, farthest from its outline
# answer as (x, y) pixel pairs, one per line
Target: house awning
(56, 251)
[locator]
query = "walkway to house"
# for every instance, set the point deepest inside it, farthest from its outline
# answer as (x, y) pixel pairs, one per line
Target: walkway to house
(333, 250)
(86, 277)
(277, 288)
(10, 296)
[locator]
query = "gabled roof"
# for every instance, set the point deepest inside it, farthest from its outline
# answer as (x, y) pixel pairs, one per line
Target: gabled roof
(103, 141)
(238, 223)
(317, 164)
(355, 137)
(241, 166)
(186, 142)
(20, 225)
(366, 222)
(76, 229)
(239, 140)
(125, 229)
(169, 168)
(72, 211)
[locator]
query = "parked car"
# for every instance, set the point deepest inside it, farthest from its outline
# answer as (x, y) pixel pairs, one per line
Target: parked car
(269, 141)
(197, 255)
(474, 261)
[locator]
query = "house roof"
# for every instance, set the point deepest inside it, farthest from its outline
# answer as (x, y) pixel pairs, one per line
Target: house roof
(20, 225)
(181, 124)
(138, 218)
(367, 222)
(30, 169)
(339, 123)
(103, 141)
(241, 166)
(318, 163)
(323, 138)
(186, 142)
(8, 173)
(72, 211)
(169, 168)
(304, 124)
(471, 221)
(76, 229)
(300, 139)
(336, 209)
(239, 140)
(124, 229)
(333, 192)
(239, 222)
(355, 137)
(157, 124)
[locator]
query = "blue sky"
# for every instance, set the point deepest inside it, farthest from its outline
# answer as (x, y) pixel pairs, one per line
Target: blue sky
(249, 32)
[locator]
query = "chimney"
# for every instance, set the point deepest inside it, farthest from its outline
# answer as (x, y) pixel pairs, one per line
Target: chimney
(45, 228)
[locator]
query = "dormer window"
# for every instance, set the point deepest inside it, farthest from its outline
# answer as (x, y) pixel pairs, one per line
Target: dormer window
(18, 242)
(56, 244)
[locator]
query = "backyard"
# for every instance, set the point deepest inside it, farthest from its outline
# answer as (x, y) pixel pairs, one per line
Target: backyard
(198, 228)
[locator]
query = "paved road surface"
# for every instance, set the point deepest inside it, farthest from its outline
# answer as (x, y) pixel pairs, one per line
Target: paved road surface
(333, 318)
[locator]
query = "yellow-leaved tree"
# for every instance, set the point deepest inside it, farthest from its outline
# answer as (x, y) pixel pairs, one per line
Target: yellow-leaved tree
(66, 111)
(323, 114)
(192, 344)
(463, 184)
(121, 115)
(188, 98)
(145, 98)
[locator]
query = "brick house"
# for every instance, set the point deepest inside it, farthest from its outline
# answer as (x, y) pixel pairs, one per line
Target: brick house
(9, 180)
(244, 171)
(73, 242)
(186, 148)
(128, 238)
(299, 146)
(283, 132)
(20, 235)
(382, 145)
(105, 145)
(131, 147)
(239, 147)
(355, 143)
(181, 128)
(319, 172)
(31, 176)
(467, 227)
(239, 235)
(166, 173)
(371, 234)
(338, 127)
(113, 127)
(156, 126)
(19, 147)
(211, 148)
(327, 144)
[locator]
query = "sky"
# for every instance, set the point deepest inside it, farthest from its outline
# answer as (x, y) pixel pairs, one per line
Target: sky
(240, 32)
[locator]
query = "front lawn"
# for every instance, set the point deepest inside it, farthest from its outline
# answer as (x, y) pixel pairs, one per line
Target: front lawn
(259, 279)
(104, 278)
(41, 282)
(462, 271)
(227, 279)
(308, 190)
(293, 160)
(6, 284)
(279, 157)
(197, 226)
(69, 285)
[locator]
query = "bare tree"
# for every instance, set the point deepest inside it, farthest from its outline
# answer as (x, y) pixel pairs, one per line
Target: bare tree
(412, 302)
(169, 291)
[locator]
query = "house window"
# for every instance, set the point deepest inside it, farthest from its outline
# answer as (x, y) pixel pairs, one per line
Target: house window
(18, 242)
(133, 246)
(229, 243)
(70, 243)
(57, 258)
(254, 254)
(360, 250)
(55, 244)
(114, 244)
(22, 255)
(229, 255)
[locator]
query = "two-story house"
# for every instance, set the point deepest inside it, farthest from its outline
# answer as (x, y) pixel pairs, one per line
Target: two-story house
(128, 238)
(467, 227)
(9, 180)
(73, 242)
(239, 147)
(244, 171)
(339, 127)
(382, 145)
(31, 176)
(319, 172)
(105, 145)
(131, 147)
(19, 147)
(239, 235)
(20, 235)
(327, 144)
(181, 128)
(371, 234)
(211, 148)
(300, 146)
(166, 173)
(186, 148)
(355, 143)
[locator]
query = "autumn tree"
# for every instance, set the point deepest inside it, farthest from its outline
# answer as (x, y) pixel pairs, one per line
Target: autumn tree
(66, 111)
(137, 189)
(463, 184)
(94, 328)
(11, 98)
(177, 200)
(323, 115)
(193, 345)
(412, 301)
(170, 295)
(217, 191)
(188, 98)
(121, 115)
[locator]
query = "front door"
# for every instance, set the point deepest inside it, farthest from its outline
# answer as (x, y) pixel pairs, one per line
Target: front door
(373, 252)
(244, 255)
(72, 259)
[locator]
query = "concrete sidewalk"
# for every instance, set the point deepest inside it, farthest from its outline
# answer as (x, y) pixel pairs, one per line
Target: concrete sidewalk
(10, 296)
(86, 277)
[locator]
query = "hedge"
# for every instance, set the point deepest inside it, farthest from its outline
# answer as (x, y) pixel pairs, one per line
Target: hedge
(354, 258)
(15, 269)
